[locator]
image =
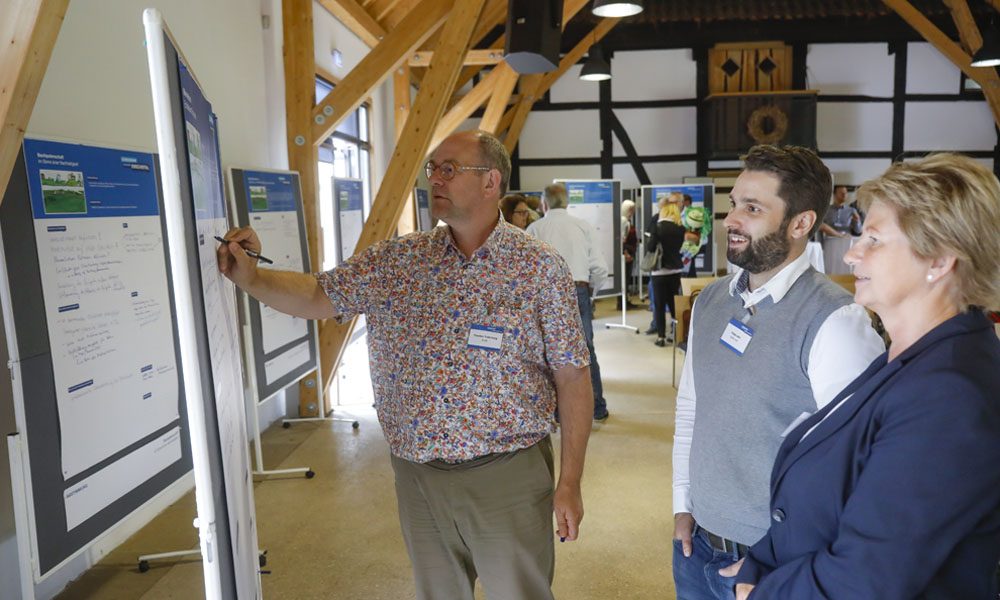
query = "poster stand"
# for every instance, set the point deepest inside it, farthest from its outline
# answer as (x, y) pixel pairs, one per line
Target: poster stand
(624, 297)
(22, 522)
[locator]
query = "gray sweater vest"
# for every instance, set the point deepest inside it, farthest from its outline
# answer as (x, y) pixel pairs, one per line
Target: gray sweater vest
(744, 403)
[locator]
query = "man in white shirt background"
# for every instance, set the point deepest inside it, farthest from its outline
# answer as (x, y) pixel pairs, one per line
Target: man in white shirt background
(574, 239)
(769, 345)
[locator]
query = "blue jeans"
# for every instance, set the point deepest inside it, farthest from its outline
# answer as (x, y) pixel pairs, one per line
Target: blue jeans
(697, 577)
(587, 316)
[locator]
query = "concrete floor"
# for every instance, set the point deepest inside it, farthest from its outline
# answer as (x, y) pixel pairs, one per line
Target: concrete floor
(337, 535)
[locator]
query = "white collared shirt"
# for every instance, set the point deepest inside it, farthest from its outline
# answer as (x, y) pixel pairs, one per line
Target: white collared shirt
(574, 240)
(844, 346)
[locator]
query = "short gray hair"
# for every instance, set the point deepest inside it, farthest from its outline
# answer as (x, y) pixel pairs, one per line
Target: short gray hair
(555, 196)
(495, 156)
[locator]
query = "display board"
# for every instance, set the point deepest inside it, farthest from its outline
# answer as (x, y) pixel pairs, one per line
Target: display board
(702, 194)
(187, 138)
(599, 202)
(284, 347)
(348, 216)
(423, 200)
(85, 291)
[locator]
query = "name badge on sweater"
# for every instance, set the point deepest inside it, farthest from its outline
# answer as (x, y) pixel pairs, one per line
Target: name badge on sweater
(485, 337)
(737, 336)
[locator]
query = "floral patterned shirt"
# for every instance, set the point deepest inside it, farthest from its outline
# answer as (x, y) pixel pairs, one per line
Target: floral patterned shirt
(436, 396)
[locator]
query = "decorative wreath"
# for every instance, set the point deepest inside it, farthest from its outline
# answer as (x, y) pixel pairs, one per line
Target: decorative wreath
(764, 114)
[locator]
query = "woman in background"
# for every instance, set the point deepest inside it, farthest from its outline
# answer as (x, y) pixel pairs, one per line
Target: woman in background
(892, 491)
(665, 279)
(520, 211)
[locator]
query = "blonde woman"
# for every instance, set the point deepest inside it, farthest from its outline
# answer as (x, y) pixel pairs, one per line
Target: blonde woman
(667, 233)
(892, 490)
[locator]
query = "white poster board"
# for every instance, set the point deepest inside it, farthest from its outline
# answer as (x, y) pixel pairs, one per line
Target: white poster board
(187, 139)
(598, 202)
(348, 215)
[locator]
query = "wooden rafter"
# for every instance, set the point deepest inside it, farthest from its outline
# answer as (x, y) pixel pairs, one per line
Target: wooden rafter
(380, 9)
(468, 104)
(502, 90)
(399, 12)
(519, 112)
(986, 77)
(523, 107)
(401, 108)
(357, 19)
(994, 3)
(408, 155)
(376, 66)
(29, 29)
(473, 57)
(300, 83)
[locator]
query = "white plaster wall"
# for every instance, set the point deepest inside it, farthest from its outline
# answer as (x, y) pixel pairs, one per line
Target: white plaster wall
(850, 69)
(561, 134)
(855, 171)
(659, 173)
(672, 130)
(570, 88)
(536, 178)
(96, 88)
(961, 126)
(929, 72)
(653, 75)
(847, 126)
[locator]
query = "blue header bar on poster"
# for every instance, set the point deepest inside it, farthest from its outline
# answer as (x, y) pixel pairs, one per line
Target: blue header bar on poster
(696, 191)
(203, 149)
(269, 192)
(423, 198)
(73, 181)
(590, 192)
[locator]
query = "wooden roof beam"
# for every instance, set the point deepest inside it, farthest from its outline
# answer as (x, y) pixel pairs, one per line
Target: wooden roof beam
(408, 156)
(357, 19)
(468, 104)
(502, 91)
(472, 57)
(378, 65)
(29, 29)
(986, 77)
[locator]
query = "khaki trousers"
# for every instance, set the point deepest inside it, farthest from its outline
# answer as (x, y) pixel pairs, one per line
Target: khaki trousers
(490, 518)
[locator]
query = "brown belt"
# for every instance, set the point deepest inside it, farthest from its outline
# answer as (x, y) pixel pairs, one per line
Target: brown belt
(582, 284)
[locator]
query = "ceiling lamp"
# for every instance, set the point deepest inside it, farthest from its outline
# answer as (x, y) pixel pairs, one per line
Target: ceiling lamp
(597, 68)
(989, 54)
(616, 8)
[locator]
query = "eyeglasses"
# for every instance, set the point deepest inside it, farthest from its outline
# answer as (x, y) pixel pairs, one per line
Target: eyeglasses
(520, 212)
(449, 168)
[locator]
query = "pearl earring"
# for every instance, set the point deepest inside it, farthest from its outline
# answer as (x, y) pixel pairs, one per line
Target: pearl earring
(930, 277)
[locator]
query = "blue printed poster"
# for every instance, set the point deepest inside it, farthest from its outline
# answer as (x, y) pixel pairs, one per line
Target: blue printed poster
(272, 205)
(349, 201)
(103, 272)
(594, 202)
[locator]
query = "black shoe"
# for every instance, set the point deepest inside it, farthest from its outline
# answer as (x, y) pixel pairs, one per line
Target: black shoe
(602, 416)
(661, 342)
(651, 331)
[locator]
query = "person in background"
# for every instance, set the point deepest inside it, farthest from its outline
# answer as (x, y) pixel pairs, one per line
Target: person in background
(668, 235)
(841, 222)
(467, 371)
(630, 244)
(768, 346)
(574, 240)
(520, 211)
(893, 490)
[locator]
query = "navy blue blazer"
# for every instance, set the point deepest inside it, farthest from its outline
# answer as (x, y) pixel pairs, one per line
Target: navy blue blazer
(897, 494)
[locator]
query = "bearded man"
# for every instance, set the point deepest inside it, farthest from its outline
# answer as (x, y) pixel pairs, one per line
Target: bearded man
(769, 345)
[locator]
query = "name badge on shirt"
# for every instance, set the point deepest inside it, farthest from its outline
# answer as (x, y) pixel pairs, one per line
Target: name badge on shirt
(737, 336)
(485, 337)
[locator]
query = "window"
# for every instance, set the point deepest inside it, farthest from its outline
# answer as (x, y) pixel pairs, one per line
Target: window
(346, 153)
